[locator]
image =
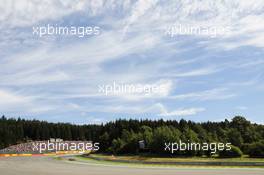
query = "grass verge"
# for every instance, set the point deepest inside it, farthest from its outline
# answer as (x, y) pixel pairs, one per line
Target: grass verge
(171, 162)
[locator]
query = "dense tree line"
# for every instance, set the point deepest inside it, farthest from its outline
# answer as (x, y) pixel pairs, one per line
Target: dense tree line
(122, 136)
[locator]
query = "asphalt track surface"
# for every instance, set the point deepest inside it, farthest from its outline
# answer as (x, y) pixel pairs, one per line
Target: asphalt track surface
(51, 166)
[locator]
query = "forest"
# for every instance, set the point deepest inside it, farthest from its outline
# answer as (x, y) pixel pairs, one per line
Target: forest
(122, 136)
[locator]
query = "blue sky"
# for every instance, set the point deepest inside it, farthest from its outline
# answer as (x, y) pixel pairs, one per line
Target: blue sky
(56, 77)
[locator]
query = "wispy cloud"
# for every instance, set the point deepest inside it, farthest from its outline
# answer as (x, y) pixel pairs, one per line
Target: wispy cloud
(212, 94)
(57, 72)
(181, 112)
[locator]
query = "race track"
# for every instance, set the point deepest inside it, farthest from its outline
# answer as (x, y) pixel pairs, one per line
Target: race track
(51, 166)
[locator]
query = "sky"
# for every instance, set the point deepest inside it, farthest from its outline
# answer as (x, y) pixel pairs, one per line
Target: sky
(205, 75)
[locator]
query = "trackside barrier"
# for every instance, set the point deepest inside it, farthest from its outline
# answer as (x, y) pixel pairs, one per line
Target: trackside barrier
(44, 154)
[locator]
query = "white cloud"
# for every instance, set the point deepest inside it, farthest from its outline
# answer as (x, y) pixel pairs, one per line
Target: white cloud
(243, 108)
(197, 72)
(46, 64)
(9, 98)
(56, 71)
(137, 11)
(242, 16)
(18, 103)
(213, 94)
(160, 110)
(27, 12)
(182, 112)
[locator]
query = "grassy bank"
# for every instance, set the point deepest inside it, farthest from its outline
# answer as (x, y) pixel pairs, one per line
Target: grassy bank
(130, 160)
(175, 159)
